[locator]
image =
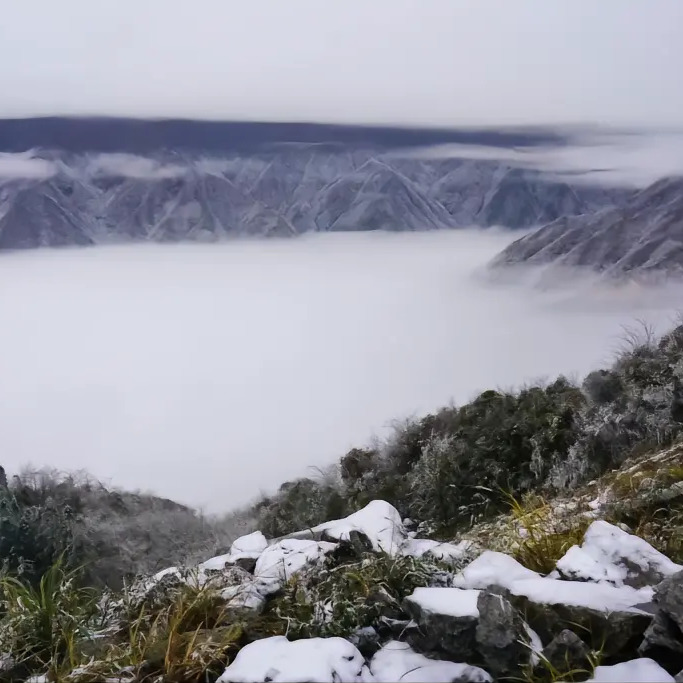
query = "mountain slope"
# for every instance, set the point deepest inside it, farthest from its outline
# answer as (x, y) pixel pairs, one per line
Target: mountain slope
(645, 235)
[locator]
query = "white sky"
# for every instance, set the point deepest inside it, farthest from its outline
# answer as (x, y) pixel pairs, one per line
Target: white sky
(446, 62)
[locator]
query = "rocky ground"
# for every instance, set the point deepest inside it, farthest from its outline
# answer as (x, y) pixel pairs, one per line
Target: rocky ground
(567, 589)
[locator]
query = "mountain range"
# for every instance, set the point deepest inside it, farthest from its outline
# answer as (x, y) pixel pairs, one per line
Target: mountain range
(58, 198)
(642, 235)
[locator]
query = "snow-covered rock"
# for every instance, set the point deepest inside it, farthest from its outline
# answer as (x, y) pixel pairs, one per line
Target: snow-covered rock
(399, 662)
(450, 553)
(611, 555)
(244, 596)
(635, 671)
(378, 521)
(244, 552)
(493, 569)
(282, 560)
(316, 660)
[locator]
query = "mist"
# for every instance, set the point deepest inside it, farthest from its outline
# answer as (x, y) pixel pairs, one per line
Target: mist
(209, 373)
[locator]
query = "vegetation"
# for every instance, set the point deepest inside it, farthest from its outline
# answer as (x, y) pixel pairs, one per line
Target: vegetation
(446, 469)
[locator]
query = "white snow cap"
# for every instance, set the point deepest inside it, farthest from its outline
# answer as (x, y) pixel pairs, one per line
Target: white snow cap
(454, 602)
(399, 662)
(317, 660)
(636, 671)
(378, 520)
(609, 554)
(600, 597)
(280, 561)
(492, 568)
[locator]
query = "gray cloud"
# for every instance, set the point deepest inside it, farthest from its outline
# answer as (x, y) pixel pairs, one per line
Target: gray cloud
(403, 61)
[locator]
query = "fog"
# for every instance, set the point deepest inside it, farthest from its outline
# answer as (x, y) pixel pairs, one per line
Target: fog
(208, 373)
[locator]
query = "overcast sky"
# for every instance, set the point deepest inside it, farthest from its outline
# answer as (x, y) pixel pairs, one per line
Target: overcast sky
(446, 62)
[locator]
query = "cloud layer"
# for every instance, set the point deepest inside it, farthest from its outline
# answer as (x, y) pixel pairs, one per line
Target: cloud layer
(208, 373)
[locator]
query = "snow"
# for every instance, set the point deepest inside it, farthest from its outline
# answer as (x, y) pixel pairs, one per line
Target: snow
(535, 644)
(245, 547)
(445, 552)
(378, 520)
(600, 597)
(635, 671)
(453, 602)
(316, 660)
(611, 555)
(399, 662)
(282, 560)
(492, 568)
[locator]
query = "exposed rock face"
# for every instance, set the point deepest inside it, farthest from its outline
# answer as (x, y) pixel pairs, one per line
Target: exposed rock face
(643, 235)
(88, 199)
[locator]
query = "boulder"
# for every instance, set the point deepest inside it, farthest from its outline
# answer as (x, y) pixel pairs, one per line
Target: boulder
(609, 554)
(243, 553)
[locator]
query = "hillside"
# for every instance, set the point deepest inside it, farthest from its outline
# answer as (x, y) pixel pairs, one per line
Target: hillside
(85, 199)
(643, 237)
(533, 535)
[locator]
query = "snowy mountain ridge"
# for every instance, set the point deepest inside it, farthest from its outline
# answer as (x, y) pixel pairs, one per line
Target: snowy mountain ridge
(57, 198)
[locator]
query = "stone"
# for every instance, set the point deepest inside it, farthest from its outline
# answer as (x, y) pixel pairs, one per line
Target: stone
(500, 635)
(669, 598)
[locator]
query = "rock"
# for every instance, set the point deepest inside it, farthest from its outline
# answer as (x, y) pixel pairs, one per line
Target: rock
(243, 598)
(679, 677)
(500, 635)
(564, 653)
(609, 554)
(634, 671)
(669, 598)
(663, 642)
(447, 620)
(399, 662)
(319, 660)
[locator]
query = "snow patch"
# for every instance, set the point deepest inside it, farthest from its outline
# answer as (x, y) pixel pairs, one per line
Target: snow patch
(450, 553)
(453, 602)
(378, 520)
(493, 568)
(399, 662)
(317, 660)
(635, 671)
